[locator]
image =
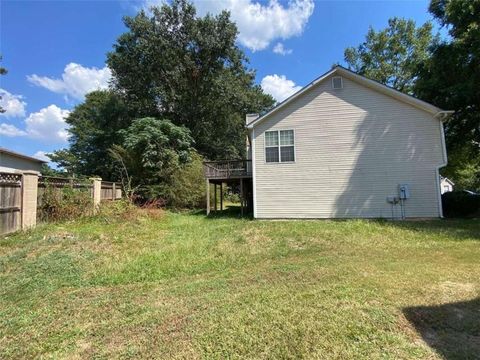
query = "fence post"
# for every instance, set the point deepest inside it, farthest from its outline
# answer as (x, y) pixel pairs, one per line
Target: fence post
(96, 192)
(29, 199)
(114, 191)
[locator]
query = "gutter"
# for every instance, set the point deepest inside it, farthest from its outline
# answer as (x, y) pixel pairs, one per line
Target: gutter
(442, 115)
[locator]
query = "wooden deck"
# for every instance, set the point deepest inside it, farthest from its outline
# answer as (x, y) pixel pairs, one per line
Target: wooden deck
(228, 172)
(228, 169)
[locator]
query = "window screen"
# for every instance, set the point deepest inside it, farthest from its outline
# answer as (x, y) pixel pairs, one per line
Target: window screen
(271, 154)
(287, 153)
(271, 138)
(271, 146)
(279, 146)
(286, 137)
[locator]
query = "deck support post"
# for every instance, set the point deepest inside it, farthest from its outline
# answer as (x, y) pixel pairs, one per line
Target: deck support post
(241, 196)
(221, 196)
(208, 197)
(215, 196)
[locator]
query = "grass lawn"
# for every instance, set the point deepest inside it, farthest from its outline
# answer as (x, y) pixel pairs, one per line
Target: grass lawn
(186, 286)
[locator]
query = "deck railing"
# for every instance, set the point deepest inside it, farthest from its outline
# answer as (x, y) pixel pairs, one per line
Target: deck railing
(228, 169)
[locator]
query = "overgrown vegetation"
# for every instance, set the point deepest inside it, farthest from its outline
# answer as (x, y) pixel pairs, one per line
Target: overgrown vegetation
(187, 187)
(155, 284)
(65, 203)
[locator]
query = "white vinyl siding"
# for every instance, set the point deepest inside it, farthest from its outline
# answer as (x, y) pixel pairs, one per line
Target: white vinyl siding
(353, 146)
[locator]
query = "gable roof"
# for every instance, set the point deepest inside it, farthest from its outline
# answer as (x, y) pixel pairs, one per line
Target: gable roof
(447, 180)
(372, 84)
(18, 155)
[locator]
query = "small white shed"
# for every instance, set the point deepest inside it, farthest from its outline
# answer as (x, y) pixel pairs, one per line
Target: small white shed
(446, 185)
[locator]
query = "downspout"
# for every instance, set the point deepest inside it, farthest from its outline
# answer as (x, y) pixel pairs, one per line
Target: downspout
(249, 119)
(254, 179)
(441, 116)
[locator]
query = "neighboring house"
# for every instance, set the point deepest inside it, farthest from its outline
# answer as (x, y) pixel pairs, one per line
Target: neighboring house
(446, 185)
(13, 161)
(343, 146)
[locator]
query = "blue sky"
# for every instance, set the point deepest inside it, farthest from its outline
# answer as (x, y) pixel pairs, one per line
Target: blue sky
(55, 52)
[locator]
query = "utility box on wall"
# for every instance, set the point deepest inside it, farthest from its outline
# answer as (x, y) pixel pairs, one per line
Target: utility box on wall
(404, 191)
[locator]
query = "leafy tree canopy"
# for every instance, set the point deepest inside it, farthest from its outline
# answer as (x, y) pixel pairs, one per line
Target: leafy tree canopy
(173, 64)
(451, 80)
(154, 150)
(392, 55)
(94, 125)
(49, 171)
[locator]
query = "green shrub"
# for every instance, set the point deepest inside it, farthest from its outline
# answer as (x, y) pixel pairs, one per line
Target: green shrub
(66, 203)
(186, 189)
(460, 204)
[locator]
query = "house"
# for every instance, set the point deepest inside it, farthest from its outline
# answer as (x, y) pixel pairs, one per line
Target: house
(344, 146)
(11, 161)
(446, 185)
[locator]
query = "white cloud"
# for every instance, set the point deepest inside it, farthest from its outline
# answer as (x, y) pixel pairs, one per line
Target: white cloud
(41, 155)
(11, 130)
(279, 86)
(258, 24)
(13, 105)
(281, 50)
(48, 124)
(76, 80)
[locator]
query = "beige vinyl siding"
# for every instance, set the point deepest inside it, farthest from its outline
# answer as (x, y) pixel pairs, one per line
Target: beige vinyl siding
(9, 162)
(353, 147)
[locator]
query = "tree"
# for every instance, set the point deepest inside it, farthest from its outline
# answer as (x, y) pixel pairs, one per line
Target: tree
(172, 64)
(450, 79)
(49, 171)
(187, 186)
(392, 55)
(155, 149)
(94, 125)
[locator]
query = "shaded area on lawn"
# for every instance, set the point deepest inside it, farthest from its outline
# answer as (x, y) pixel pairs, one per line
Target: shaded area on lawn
(452, 329)
(230, 211)
(453, 229)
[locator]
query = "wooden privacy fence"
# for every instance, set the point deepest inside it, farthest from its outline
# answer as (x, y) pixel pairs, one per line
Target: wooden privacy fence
(110, 191)
(59, 183)
(22, 194)
(10, 202)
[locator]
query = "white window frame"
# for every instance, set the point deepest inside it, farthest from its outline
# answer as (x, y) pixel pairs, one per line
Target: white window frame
(279, 147)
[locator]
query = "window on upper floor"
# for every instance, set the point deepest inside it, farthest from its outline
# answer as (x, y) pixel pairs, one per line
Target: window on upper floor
(279, 146)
